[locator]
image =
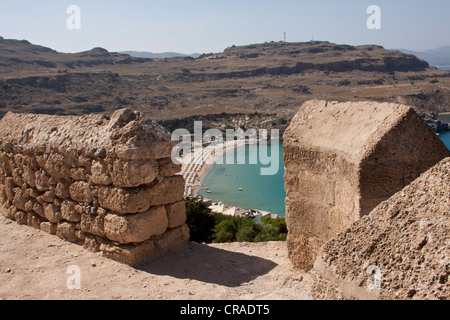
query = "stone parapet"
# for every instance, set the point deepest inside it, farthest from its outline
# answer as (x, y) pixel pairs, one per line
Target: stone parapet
(106, 183)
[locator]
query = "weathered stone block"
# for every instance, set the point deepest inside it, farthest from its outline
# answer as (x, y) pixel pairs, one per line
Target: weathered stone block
(124, 201)
(42, 180)
(48, 227)
(176, 214)
(34, 221)
(21, 218)
(78, 174)
(57, 166)
(136, 228)
(69, 211)
(48, 196)
(29, 176)
(129, 174)
(30, 205)
(9, 188)
(92, 243)
(20, 199)
(172, 238)
(94, 180)
(156, 150)
(3, 197)
(52, 213)
(81, 191)
(341, 160)
(129, 254)
(39, 209)
(100, 174)
(67, 231)
(92, 224)
(10, 213)
(170, 190)
(17, 176)
(167, 168)
(62, 189)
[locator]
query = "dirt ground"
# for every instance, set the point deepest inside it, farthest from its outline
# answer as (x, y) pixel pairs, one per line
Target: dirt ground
(36, 265)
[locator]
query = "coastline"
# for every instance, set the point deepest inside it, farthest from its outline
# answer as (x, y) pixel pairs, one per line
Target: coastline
(195, 167)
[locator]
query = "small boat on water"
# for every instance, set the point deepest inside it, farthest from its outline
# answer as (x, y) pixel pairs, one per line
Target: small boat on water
(240, 189)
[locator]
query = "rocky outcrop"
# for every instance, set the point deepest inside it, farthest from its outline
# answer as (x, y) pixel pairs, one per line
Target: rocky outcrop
(342, 160)
(107, 183)
(399, 251)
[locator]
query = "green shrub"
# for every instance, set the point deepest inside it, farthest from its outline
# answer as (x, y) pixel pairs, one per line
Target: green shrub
(199, 220)
(206, 227)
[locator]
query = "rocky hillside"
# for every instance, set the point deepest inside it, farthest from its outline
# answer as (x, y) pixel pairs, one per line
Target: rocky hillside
(399, 251)
(271, 80)
(22, 55)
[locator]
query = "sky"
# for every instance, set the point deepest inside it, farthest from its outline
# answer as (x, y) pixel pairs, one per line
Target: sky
(203, 26)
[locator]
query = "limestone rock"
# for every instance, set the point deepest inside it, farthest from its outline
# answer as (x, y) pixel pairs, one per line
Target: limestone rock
(9, 188)
(67, 231)
(167, 168)
(62, 189)
(57, 166)
(399, 251)
(69, 211)
(129, 174)
(21, 217)
(129, 254)
(42, 180)
(81, 191)
(93, 180)
(128, 133)
(34, 221)
(20, 199)
(172, 238)
(93, 224)
(170, 190)
(342, 160)
(52, 213)
(176, 214)
(48, 227)
(136, 228)
(124, 201)
(100, 174)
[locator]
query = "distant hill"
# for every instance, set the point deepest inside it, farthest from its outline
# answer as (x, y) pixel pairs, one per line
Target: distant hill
(23, 55)
(435, 57)
(258, 85)
(151, 55)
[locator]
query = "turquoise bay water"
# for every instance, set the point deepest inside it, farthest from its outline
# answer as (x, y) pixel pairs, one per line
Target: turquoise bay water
(446, 138)
(259, 192)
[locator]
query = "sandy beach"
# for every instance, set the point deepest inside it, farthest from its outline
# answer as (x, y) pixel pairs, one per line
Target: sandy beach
(195, 167)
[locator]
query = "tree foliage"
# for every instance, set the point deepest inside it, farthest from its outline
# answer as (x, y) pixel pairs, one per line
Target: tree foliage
(217, 228)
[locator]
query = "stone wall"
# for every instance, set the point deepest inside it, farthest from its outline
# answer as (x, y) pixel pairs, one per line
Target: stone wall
(107, 183)
(342, 160)
(399, 251)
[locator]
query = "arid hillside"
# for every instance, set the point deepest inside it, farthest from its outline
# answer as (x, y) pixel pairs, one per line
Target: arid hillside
(259, 85)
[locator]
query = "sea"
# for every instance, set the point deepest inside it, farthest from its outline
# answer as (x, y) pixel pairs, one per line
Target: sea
(243, 186)
(444, 68)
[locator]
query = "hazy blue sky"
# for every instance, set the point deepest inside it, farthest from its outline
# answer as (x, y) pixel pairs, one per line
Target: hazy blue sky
(211, 25)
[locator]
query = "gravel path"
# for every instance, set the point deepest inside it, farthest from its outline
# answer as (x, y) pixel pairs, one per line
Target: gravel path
(36, 265)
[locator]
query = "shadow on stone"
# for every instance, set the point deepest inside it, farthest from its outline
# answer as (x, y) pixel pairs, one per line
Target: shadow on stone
(208, 264)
